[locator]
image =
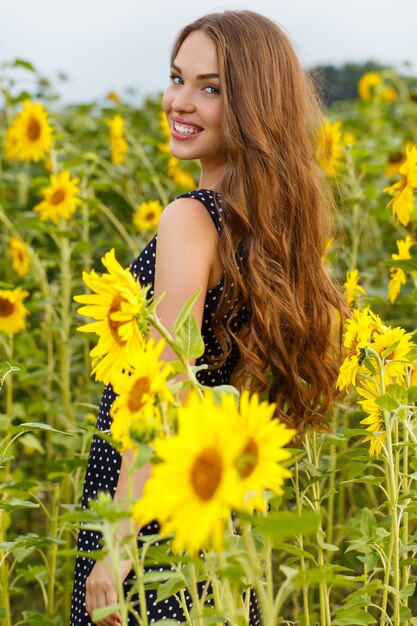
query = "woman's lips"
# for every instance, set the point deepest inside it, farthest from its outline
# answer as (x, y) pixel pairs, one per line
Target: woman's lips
(184, 136)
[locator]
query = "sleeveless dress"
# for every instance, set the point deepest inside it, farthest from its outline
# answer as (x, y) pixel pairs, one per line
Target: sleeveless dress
(104, 462)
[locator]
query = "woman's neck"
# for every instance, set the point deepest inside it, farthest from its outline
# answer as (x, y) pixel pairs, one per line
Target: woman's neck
(211, 176)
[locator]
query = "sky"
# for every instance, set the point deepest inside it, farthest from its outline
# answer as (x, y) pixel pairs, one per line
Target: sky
(106, 45)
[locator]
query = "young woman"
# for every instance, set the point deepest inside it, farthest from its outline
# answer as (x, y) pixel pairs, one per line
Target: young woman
(252, 237)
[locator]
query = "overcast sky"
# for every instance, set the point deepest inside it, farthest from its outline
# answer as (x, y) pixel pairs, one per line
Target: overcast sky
(114, 44)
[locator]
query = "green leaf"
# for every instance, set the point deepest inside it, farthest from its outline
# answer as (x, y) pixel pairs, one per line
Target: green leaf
(185, 312)
(368, 479)
(408, 265)
(320, 536)
(284, 524)
(189, 340)
(225, 389)
(40, 426)
(387, 403)
(295, 550)
(397, 392)
(25, 64)
(405, 614)
(353, 617)
(105, 611)
(407, 591)
(172, 585)
(30, 441)
(14, 504)
(368, 522)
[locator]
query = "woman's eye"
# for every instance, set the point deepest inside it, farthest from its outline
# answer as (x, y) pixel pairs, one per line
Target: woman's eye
(174, 78)
(216, 90)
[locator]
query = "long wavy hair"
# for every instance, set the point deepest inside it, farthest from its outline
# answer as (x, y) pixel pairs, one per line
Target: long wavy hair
(278, 210)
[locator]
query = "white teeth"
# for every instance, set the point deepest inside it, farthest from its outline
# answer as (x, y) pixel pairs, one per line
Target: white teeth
(185, 130)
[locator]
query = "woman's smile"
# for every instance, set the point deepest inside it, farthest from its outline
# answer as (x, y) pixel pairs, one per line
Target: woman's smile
(184, 129)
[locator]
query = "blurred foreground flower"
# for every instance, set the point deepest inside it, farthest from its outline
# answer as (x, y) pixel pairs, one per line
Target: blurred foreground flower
(60, 198)
(329, 150)
(118, 143)
(141, 388)
(119, 306)
(147, 215)
(402, 203)
(214, 465)
(398, 276)
(178, 175)
(20, 256)
(30, 136)
(259, 464)
(352, 287)
(12, 310)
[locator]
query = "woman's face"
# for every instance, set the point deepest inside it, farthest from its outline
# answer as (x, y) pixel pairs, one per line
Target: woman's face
(193, 103)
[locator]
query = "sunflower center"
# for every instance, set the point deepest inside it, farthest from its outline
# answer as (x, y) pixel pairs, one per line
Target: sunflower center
(251, 454)
(351, 351)
(6, 307)
(395, 157)
(150, 216)
(57, 197)
(206, 473)
(141, 387)
(34, 129)
(114, 325)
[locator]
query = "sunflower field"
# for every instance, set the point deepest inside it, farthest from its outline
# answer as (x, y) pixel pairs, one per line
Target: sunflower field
(325, 533)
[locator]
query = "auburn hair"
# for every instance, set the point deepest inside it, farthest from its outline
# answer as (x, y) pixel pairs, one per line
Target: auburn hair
(278, 209)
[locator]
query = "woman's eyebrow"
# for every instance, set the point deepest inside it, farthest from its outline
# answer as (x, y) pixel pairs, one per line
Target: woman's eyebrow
(198, 77)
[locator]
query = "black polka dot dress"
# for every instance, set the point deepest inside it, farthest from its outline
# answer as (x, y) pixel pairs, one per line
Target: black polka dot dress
(104, 462)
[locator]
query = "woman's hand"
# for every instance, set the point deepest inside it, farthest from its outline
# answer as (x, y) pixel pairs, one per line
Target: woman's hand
(100, 591)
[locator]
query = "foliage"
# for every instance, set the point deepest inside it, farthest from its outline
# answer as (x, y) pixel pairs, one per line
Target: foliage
(338, 545)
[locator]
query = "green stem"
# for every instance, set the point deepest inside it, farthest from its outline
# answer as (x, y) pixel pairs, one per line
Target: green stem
(257, 577)
(199, 619)
(53, 553)
(298, 500)
(119, 226)
(314, 458)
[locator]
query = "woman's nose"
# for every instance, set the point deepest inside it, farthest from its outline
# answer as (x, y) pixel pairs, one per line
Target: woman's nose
(183, 100)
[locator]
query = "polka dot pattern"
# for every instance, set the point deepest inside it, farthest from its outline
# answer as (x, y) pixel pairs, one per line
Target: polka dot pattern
(104, 462)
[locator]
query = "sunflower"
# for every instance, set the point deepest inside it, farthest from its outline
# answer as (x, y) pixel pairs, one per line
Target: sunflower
(352, 287)
(20, 256)
(32, 132)
(396, 360)
(147, 215)
(114, 97)
(329, 150)
(11, 143)
(118, 144)
(368, 84)
(141, 388)
(119, 307)
(394, 162)
(60, 201)
(12, 311)
(402, 202)
(194, 488)
(398, 276)
(259, 463)
(375, 420)
(178, 175)
(359, 330)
